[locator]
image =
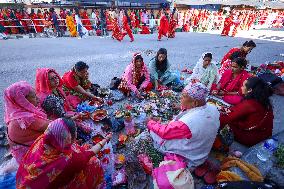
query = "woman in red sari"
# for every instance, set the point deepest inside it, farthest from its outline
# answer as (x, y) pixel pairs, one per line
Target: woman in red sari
(172, 26)
(229, 87)
(243, 51)
(227, 25)
(116, 32)
(163, 28)
(252, 119)
(55, 160)
(86, 21)
(36, 22)
(77, 85)
(126, 27)
(41, 22)
(145, 29)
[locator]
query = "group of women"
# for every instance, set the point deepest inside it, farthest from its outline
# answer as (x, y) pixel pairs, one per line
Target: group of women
(42, 125)
(42, 122)
(251, 114)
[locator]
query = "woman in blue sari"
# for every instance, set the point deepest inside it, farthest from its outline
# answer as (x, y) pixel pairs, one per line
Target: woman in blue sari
(160, 72)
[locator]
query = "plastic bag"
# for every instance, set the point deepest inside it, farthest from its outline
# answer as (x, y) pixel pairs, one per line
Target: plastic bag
(119, 177)
(8, 181)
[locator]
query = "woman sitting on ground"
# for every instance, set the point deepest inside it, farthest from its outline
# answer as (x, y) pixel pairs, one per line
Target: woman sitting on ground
(244, 50)
(229, 87)
(252, 119)
(53, 99)
(25, 121)
(55, 160)
(205, 71)
(192, 132)
(76, 84)
(49, 90)
(228, 63)
(136, 78)
(159, 68)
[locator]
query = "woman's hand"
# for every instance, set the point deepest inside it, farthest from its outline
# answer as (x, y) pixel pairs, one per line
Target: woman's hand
(98, 99)
(81, 116)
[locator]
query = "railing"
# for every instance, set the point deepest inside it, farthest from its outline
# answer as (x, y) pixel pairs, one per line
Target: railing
(155, 23)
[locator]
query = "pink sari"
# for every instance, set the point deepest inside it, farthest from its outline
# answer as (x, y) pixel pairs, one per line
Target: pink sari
(230, 84)
(19, 112)
(45, 164)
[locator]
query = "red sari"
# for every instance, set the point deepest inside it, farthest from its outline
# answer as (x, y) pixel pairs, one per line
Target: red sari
(172, 27)
(86, 21)
(227, 26)
(127, 28)
(53, 161)
(235, 49)
(70, 81)
(230, 84)
(116, 32)
(36, 23)
(43, 89)
(250, 122)
(145, 30)
(163, 28)
(2, 22)
(62, 15)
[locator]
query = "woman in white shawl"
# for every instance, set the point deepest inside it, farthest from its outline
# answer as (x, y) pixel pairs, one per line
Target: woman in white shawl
(205, 71)
(80, 28)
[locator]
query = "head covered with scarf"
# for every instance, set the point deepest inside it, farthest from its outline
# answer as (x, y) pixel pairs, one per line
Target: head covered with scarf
(137, 71)
(50, 152)
(197, 92)
(42, 83)
(17, 106)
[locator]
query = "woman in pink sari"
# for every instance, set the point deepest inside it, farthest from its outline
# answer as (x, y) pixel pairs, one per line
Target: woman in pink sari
(25, 121)
(56, 161)
(136, 77)
(229, 87)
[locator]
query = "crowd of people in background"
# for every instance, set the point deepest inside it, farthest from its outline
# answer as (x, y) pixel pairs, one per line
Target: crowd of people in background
(79, 21)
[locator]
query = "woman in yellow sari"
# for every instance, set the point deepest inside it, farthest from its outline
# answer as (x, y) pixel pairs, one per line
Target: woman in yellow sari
(71, 25)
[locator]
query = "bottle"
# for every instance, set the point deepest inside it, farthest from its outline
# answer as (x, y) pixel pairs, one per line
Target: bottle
(265, 151)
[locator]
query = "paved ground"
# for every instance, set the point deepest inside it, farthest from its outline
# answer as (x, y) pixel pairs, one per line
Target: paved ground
(108, 58)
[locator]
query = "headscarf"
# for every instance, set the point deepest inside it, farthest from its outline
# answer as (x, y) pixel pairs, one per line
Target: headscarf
(137, 74)
(42, 83)
(197, 91)
(47, 157)
(18, 107)
(201, 73)
(43, 89)
(201, 59)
